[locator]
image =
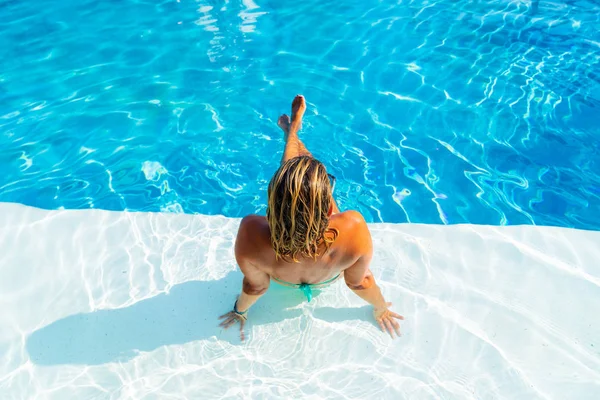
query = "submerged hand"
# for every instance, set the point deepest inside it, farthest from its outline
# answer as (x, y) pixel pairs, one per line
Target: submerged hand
(230, 318)
(387, 320)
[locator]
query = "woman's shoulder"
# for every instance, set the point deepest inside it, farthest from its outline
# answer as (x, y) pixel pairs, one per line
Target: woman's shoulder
(354, 235)
(253, 226)
(352, 217)
(255, 229)
(253, 220)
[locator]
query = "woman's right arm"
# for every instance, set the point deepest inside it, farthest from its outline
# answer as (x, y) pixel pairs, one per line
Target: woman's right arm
(360, 280)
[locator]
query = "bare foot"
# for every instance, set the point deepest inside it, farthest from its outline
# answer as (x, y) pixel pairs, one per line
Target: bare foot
(284, 123)
(298, 108)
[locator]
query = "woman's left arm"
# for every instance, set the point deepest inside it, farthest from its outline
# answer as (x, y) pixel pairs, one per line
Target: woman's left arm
(255, 283)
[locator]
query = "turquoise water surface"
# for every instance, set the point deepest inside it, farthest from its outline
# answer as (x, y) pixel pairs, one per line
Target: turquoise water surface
(437, 112)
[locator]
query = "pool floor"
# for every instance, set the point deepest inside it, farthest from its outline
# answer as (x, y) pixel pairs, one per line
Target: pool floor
(113, 305)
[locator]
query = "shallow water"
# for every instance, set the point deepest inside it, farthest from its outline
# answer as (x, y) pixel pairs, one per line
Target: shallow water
(126, 307)
(439, 112)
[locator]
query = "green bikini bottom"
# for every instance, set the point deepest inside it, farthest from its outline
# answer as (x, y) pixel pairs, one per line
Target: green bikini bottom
(307, 288)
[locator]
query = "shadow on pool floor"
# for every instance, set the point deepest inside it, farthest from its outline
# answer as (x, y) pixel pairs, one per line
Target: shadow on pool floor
(188, 312)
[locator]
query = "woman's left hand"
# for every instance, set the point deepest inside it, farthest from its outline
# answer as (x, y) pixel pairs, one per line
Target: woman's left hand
(231, 318)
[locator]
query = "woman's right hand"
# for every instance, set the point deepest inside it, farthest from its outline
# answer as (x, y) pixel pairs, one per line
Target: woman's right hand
(387, 320)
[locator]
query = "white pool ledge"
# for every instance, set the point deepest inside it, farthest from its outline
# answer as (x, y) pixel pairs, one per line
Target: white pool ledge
(491, 312)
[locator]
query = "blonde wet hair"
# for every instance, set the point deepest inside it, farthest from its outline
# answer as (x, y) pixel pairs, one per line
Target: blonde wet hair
(299, 201)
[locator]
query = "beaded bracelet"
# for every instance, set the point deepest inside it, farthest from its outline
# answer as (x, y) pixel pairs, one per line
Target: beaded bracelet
(235, 310)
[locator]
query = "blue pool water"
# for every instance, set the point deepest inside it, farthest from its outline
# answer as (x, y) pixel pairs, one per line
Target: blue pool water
(438, 112)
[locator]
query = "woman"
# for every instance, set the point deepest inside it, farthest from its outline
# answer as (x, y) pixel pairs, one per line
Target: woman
(304, 241)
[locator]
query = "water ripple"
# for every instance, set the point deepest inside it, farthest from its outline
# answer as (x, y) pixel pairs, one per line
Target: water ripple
(485, 112)
(126, 307)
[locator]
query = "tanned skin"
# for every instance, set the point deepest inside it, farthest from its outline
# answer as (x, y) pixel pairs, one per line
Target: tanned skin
(349, 254)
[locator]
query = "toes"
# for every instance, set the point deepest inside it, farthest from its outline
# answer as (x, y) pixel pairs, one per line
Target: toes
(284, 122)
(298, 99)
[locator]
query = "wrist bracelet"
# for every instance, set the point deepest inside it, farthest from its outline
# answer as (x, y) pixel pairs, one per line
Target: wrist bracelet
(235, 310)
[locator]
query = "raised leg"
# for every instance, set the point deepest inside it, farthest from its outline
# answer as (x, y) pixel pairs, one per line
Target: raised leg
(293, 145)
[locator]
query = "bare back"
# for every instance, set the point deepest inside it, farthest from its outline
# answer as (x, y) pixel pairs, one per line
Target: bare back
(352, 243)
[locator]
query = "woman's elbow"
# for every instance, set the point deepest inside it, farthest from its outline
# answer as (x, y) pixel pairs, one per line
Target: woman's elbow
(254, 290)
(365, 283)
